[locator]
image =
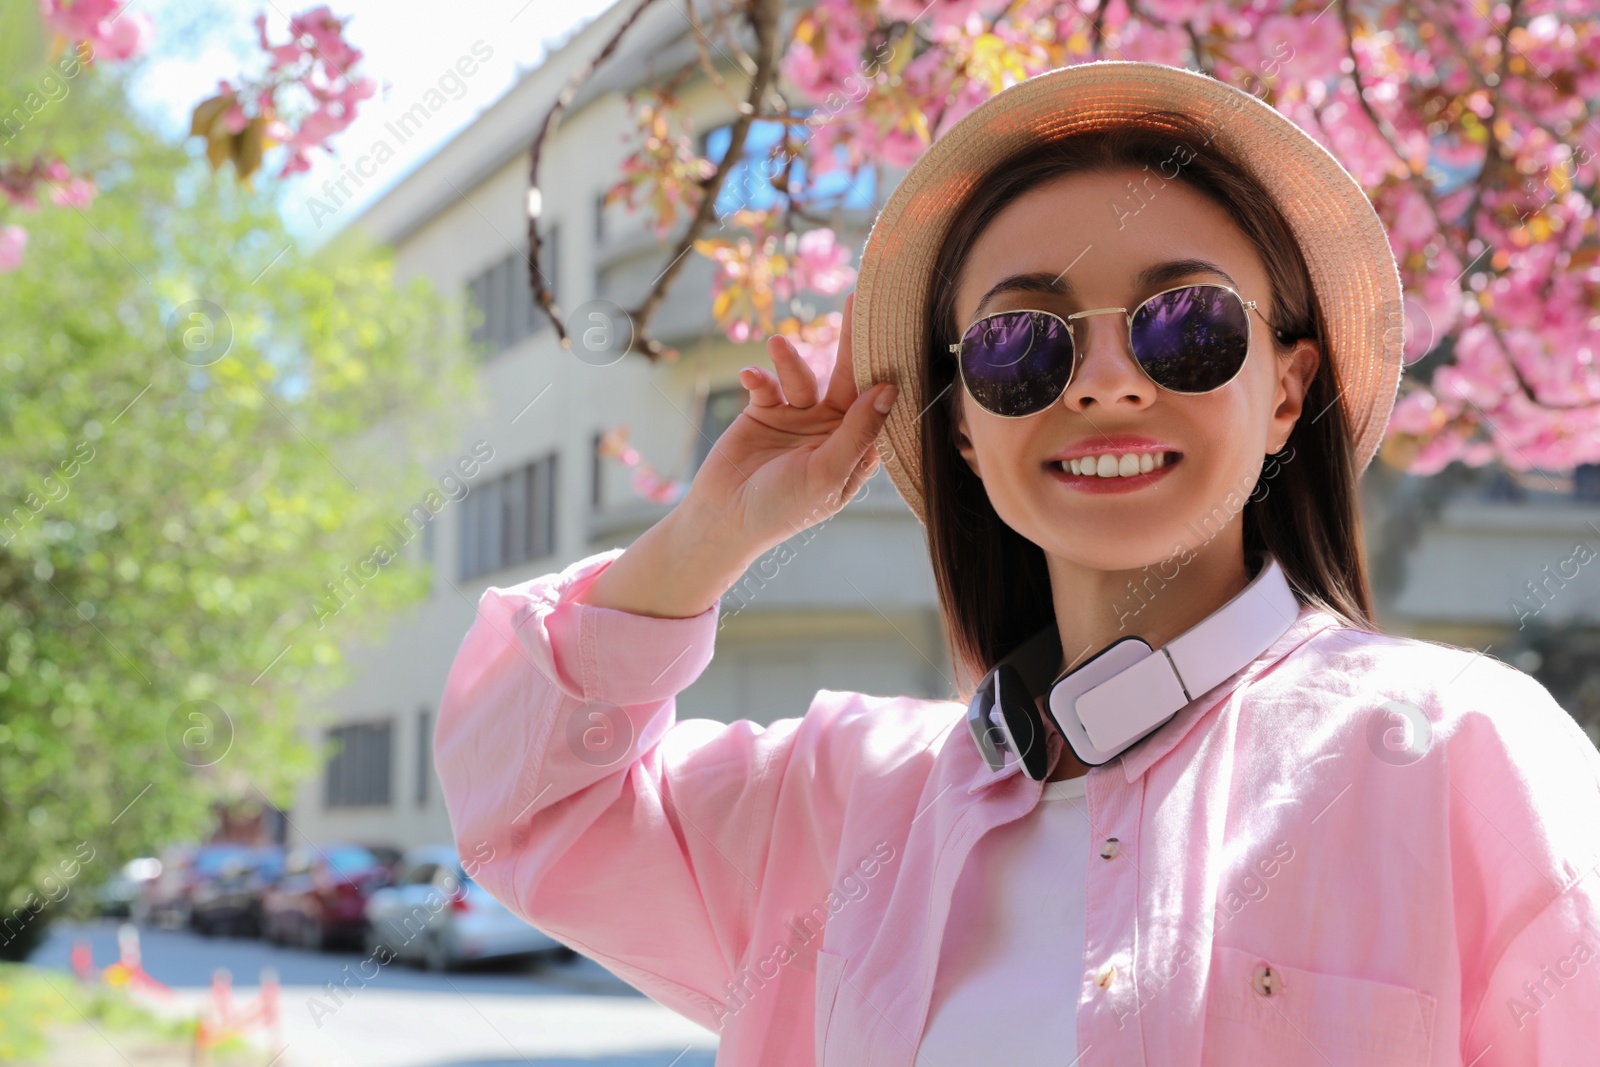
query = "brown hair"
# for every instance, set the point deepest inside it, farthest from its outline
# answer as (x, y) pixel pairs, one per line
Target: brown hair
(994, 588)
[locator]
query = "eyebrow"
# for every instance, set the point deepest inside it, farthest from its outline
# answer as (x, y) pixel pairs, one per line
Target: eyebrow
(1152, 276)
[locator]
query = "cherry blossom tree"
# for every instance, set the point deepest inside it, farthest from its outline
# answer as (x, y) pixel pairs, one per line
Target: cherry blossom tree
(308, 94)
(1471, 127)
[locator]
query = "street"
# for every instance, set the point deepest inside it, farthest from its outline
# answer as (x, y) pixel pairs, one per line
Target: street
(545, 1013)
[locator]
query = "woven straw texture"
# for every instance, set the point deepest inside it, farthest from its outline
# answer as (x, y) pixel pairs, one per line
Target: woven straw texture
(1352, 267)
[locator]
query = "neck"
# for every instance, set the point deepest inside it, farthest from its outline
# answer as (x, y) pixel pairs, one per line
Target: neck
(1155, 602)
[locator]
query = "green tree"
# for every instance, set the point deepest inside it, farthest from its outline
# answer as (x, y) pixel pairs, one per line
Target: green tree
(200, 426)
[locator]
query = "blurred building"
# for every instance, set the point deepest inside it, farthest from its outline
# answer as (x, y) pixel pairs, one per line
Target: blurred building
(851, 604)
(1503, 561)
(852, 607)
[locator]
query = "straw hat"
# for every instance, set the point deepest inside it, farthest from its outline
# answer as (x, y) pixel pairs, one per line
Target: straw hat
(1346, 250)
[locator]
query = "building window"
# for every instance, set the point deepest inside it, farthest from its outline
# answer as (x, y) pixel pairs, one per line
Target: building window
(749, 182)
(510, 519)
(424, 754)
(722, 407)
(503, 296)
(1586, 482)
(358, 771)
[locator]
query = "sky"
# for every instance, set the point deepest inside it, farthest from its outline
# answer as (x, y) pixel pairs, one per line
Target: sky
(407, 45)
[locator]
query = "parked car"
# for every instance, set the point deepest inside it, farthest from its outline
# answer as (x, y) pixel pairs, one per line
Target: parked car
(321, 899)
(227, 894)
(387, 855)
(117, 896)
(168, 899)
(161, 901)
(437, 916)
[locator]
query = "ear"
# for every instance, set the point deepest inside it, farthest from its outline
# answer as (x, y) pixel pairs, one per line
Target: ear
(964, 440)
(1296, 370)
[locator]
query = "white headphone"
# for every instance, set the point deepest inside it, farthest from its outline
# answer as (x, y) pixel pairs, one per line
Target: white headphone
(1127, 690)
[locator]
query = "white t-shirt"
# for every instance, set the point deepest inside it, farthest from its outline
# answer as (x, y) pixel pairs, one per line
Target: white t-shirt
(1011, 963)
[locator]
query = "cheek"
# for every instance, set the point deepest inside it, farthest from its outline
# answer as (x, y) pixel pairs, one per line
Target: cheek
(1227, 435)
(1000, 445)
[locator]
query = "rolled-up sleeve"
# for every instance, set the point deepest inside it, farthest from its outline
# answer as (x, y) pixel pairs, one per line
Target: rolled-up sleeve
(579, 801)
(1526, 830)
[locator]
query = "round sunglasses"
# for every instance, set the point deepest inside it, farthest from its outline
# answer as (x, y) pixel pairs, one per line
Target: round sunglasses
(1190, 339)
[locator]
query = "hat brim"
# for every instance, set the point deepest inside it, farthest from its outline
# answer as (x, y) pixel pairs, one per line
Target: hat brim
(1346, 249)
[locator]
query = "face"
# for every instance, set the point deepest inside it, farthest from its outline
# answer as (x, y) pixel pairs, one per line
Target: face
(1083, 229)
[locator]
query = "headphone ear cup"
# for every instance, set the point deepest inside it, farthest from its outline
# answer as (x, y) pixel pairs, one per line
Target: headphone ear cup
(1020, 720)
(989, 738)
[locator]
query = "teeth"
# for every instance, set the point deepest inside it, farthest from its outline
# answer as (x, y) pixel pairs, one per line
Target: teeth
(1116, 466)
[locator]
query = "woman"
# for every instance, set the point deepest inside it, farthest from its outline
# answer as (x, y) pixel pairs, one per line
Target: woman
(1190, 808)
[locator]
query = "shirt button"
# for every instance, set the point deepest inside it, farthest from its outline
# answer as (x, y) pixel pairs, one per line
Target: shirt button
(1110, 848)
(1266, 980)
(1103, 978)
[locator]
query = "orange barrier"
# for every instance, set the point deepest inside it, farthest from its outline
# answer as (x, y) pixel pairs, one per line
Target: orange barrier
(225, 1016)
(127, 973)
(222, 1017)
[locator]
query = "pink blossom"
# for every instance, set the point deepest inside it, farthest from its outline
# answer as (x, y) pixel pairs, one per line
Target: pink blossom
(1150, 43)
(115, 36)
(652, 486)
(78, 192)
(937, 14)
(1413, 413)
(13, 239)
(1414, 223)
(317, 128)
(819, 348)
(1173, 10)
(79, 21)
(326, 33)
(821, 264)
(1300, 47)
(297, 163)
(967, 97)
(127, 36)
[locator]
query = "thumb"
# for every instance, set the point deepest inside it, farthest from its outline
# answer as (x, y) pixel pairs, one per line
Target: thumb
(838, 457)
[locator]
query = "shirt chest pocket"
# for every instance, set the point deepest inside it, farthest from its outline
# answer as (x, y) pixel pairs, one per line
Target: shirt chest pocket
(830, 970)
(1261, 1011)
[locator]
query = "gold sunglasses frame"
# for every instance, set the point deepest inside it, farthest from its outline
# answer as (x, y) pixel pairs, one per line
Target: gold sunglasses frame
(1077, 349)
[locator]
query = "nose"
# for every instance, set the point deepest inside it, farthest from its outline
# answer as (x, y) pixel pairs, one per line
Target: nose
(1107, 376)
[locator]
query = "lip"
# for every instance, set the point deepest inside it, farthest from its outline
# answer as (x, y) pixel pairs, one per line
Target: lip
(1114, 444)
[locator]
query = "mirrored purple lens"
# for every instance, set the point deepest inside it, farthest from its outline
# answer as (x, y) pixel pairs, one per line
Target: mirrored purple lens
(1016, 362)
(1192, 340)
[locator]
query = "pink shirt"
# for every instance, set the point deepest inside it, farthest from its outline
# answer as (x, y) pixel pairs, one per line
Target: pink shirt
(1296, 878)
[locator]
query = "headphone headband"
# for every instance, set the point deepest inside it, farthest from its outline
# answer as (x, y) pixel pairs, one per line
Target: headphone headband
(1127, 690)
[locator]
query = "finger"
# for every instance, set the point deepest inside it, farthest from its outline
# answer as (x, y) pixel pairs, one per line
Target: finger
(763, 387)
(837, 457)
(799, 381)
(858, 477)
(842, 384)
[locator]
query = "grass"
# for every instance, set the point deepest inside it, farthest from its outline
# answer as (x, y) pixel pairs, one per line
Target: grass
(34, 1000)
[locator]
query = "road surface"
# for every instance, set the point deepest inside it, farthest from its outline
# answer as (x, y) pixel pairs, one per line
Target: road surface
(541, 1013)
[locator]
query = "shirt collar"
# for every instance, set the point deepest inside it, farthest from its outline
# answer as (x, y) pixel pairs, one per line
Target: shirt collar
(1143, 755)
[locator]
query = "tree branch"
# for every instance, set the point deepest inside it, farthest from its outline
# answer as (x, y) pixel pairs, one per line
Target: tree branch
(542, 296)
(763, 15)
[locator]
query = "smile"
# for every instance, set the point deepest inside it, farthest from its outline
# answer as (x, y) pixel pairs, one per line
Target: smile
(1120, 465)
(1119, 473)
